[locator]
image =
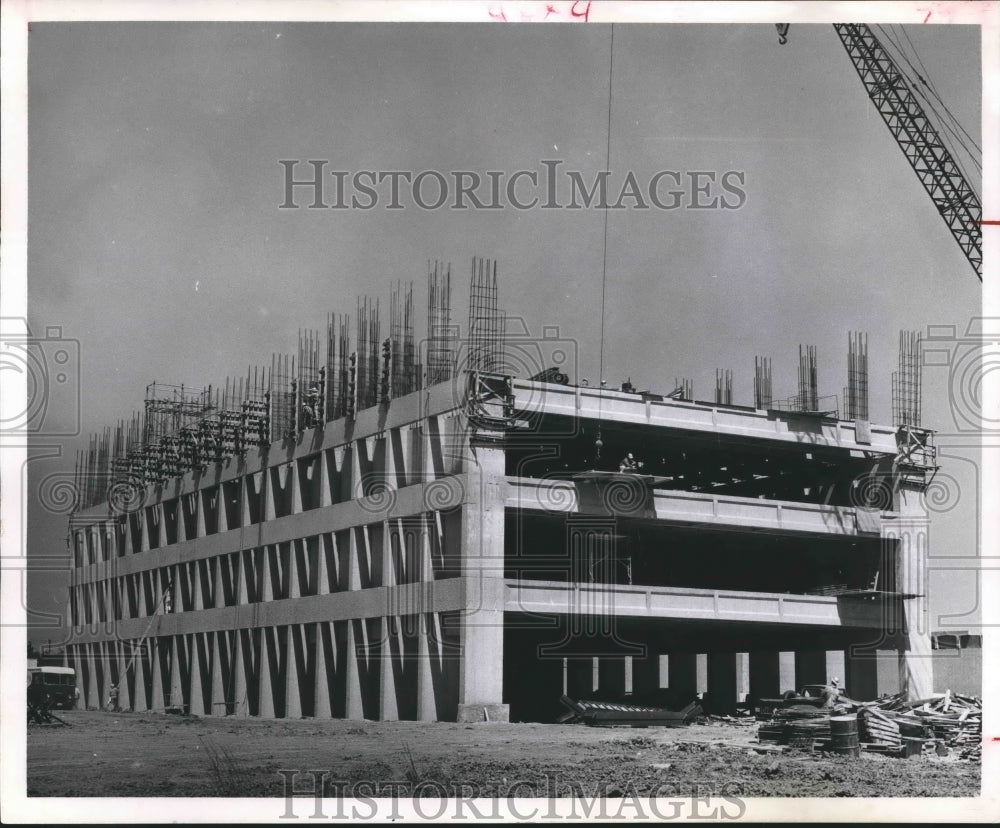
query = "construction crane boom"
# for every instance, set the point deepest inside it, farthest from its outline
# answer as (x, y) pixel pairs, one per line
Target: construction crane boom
(916, 136)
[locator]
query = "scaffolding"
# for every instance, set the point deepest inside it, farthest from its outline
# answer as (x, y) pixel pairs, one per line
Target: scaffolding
(683, 390)
(179, 430)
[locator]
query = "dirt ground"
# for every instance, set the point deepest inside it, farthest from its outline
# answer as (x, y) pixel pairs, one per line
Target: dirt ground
(143, 754)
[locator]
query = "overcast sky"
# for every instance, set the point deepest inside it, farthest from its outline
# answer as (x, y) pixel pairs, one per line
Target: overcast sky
(156, 238)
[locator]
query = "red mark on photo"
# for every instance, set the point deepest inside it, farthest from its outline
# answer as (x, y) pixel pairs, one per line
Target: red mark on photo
(571, 10)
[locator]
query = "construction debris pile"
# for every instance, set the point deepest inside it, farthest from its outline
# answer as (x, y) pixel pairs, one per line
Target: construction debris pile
(944, 724)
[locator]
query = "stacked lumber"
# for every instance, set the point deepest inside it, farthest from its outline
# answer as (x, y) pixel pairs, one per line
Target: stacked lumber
(949, 719)
(878, 727)
(944, 723)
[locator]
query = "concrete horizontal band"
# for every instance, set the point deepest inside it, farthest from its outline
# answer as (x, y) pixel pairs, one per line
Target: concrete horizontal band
(621, 601)
(591, 403)
(468, 595)
(560, 496)
(411, 500)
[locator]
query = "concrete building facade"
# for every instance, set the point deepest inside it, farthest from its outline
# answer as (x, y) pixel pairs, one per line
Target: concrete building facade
(473, 550)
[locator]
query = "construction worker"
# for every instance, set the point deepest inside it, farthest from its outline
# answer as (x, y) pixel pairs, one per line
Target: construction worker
(310, 407)
(628, 463)
(832, 693)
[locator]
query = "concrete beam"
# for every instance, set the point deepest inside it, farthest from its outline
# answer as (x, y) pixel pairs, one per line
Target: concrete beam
(694, 508)
(559, 597)
(612, 406)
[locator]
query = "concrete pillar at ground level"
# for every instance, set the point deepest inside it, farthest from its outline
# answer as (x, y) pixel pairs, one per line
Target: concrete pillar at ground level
(810, 667)
(683, 678)
(722, 682)
(765, 675)
(611, 676)
(888, 673)
(646, 672)
(861, 674)
(579, 677)
(480, 687)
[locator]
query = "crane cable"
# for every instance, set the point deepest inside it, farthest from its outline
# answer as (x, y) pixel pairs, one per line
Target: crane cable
(949, 123)
(599, 443)
(926, 79)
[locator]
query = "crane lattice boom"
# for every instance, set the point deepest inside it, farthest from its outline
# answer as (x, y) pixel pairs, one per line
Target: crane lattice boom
(942, 179)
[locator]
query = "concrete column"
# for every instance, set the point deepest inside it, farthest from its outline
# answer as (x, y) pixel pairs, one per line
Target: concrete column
(810, 667)
(139, 665)
(580, 677)
(388, 706)
(199, 523)
(327, 459)
(480, 673)
(354, 704)
(610, 676)
(267, 667)
(193, 575)
(293, 698)
(176, 678)
(426, 703)
(765, 675)
(786, 670)
(268, 494)
(683, 675)
(157, 645)
(222, 515)
(125, 692)
(861, 674)
(888, 673)
(197, 703)
(722, 689)
(239, 700)
(219, 707)
(911, 531)
(322, 704)
(294, 480)
(646, 672)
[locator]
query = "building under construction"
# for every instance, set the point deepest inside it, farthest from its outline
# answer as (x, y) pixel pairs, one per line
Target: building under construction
(459, 529)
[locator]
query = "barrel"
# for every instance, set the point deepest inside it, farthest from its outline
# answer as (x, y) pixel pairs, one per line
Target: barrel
(844, 735)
